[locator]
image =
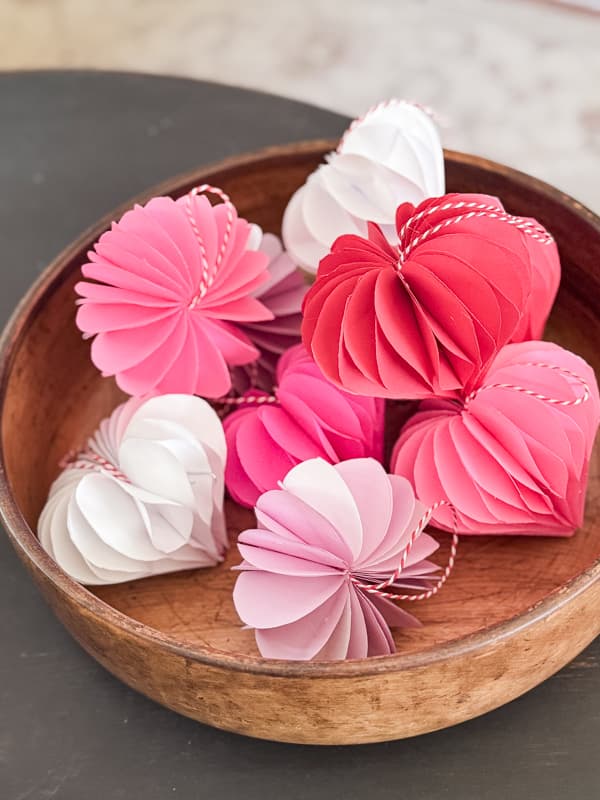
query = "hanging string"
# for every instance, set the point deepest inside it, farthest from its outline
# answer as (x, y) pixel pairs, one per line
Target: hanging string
(208, 272)
(471, 210)
(582, 398)
(89, 459)
(248, 399)
(379, 589)
(430, 112)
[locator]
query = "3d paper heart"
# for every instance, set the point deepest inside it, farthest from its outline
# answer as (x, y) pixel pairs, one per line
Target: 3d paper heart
(514, 458)
(145, 497)
(390, 156)
(325, 540)
(175, 280)
(307, 417)
(282, 294)
(426, 317)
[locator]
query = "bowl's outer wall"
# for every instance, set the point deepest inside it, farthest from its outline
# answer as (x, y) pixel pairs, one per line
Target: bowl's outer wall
(349, 702)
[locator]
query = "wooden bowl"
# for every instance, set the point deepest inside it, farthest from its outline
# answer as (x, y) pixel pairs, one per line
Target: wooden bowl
(515, 610)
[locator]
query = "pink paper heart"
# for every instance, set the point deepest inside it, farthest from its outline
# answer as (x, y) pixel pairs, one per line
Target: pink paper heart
(174, 282)
(309, 418)
(282, 295)
(508, 460)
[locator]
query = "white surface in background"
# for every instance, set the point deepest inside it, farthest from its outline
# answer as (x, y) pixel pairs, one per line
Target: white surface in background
(518, 80)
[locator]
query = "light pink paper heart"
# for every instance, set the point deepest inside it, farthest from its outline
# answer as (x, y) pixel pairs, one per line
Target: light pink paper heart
(508, 460)
(308, 418)
(324, 541)
(282, 295)
(174, 281)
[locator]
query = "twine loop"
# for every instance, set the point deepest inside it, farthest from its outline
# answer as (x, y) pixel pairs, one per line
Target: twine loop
(430, 112)
(555, 401)
(379, 589)
(470, 210)
(209, 272)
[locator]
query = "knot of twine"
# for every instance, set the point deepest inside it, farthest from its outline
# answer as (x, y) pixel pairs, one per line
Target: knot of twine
(471, 209)
(379, 589)
(208, 272)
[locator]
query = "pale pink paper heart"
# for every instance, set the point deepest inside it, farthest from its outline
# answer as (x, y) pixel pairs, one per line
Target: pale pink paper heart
(307, 417)
(427, 317)
(173, 282)
(325, 541)
(514, 458)
(282, 295)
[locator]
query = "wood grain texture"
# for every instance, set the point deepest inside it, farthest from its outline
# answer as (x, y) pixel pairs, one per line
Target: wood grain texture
(514, 611)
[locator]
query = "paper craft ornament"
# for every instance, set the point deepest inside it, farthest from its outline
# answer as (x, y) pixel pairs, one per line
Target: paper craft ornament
(175, 279)
(324, 543)
(390, 156)
(514, 457)
(144, 497)
(305, 418)
(545, 280)
(282, 295)
(428, 316)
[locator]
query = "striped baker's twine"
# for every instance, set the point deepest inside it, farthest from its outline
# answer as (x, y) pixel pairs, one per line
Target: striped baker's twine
(528, 227)
(208, 274)
(555, 401)
(89, 459)
(386, 104)
(256, 400)
(379, 589)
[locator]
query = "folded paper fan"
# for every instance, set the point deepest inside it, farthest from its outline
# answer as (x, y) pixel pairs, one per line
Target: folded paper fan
(545, 280)
(514, 457)
(305, 418)
(282, 295)
(390, 156)
(428, 316)
(174, 282)
(324, 544)
(145, 496)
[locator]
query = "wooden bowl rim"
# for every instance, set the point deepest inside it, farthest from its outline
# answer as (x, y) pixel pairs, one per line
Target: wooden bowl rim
(29, 548)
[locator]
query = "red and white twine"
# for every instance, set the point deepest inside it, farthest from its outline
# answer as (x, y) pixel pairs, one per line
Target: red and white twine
(386, 104)
(555, 401)
(250, 400)
(526, 226)
(208, 272)
(91, 460)
(379, 589)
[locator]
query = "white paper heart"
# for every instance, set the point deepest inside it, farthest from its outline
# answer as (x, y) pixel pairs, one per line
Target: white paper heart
(145, 497)
(390, 156)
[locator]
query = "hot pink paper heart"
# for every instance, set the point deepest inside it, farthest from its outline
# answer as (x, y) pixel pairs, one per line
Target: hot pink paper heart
(323, 543)
(307, 417)
(282, 294)
(174, 281)
(514, 458)
(428, 316)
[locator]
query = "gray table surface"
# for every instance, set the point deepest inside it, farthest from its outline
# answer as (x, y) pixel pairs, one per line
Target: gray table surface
(72, 146)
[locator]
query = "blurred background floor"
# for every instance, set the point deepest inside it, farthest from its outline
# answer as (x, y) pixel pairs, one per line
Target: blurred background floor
(517, 81)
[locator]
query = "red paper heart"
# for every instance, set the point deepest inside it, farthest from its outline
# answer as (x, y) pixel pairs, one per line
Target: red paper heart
(426, 317)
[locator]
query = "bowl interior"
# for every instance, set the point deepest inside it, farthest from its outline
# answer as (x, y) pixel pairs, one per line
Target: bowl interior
(53, 397)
